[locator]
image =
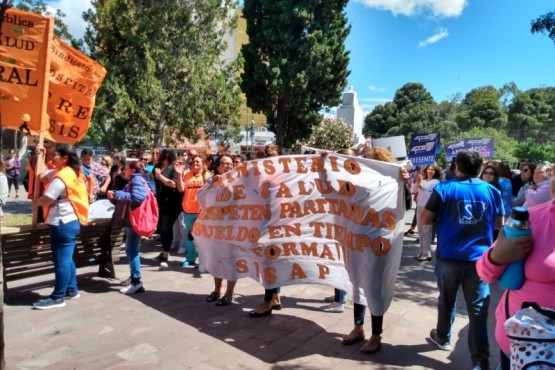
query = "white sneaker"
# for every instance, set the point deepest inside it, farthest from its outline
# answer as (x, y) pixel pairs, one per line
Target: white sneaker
(132, 288)
(164, 264)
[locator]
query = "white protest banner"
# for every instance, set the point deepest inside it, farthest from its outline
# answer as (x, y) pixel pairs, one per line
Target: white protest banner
(308, 219)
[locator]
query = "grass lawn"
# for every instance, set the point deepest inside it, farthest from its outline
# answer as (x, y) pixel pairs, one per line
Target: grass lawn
(17, 219)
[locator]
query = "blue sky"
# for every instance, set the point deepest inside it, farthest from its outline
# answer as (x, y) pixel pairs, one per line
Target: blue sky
(450, 46)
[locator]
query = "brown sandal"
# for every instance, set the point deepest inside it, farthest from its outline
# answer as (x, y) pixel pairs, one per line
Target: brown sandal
(352, 337)
(372, 346)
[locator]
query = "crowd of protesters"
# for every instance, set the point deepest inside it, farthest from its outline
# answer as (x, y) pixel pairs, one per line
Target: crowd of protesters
(463, 207)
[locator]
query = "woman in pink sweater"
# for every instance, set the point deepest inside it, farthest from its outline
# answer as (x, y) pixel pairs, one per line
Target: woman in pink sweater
(539, 268)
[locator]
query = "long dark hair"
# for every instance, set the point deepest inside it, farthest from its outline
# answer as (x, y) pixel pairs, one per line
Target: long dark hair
(65, 150)
(137, 166)
(167, 154)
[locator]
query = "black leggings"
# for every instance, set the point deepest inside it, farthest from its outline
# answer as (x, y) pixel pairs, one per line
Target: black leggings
(165, 229)
(13, 181)
(504, 360)
(269, 293)
(377, 321)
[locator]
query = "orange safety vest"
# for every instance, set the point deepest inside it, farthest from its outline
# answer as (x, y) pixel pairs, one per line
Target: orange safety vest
(76, 188)
(193, 183)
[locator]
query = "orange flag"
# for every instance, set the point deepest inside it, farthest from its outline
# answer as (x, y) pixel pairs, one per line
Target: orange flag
(24, 60)
(74, 80)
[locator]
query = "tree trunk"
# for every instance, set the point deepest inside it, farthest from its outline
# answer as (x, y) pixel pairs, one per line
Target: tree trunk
(281, 122)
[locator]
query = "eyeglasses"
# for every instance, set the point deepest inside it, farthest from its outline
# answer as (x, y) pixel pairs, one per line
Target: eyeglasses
(227, 163)
(144, 159)
(489, 173)
(526, 170)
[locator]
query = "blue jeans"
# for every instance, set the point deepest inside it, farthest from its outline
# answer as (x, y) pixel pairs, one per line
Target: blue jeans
(376, 321)
(450, 275)
(62, 242)
(132, 246)
(339, 295)
(188, 220)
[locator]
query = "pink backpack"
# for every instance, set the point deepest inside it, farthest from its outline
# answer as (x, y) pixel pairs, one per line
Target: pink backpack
(144, 218)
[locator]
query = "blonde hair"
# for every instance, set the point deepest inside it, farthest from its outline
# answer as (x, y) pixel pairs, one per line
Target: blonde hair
(108, 160)
(347, 151)
(380, 154)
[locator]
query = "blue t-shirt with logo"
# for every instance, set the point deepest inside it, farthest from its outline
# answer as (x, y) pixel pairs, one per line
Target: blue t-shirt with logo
(466, 212)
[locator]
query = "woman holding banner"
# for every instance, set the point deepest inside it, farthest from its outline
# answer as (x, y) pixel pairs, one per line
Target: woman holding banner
(272, 300)
(67, 204)
(223, 164)
(357, 334)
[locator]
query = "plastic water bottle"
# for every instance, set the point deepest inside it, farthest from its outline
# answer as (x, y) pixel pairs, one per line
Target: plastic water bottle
(517, 225)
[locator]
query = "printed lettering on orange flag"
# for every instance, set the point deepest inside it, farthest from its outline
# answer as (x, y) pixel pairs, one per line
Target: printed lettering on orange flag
(74, 81)
(24, 59)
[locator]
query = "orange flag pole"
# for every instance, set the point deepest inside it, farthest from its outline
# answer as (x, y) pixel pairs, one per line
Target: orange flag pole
(40, 164)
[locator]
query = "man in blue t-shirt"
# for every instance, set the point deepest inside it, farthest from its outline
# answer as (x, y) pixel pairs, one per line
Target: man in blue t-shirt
(465, 209)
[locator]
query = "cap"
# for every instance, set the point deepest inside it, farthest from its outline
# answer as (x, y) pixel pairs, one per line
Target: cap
(519, 213)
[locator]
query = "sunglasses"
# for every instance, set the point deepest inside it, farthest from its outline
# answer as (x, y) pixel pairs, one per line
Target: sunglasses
(526, 170)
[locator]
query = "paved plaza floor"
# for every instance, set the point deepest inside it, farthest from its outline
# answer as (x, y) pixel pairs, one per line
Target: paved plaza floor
(171, 326)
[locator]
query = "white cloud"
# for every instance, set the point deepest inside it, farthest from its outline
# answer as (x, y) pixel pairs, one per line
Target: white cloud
(440, 34)
(375, 101)
(438, 8)
(376, 89)
(368, 104)
(73, 9)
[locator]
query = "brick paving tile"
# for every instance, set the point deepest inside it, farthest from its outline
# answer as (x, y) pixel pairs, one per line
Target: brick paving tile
(171, 326)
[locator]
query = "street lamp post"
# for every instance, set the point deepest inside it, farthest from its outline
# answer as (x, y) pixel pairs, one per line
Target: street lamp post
(252, 136)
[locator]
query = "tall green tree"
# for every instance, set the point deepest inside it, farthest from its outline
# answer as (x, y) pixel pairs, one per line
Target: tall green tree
(378, 122)
(448, 110)
(481, 108)
(545, 24)
(165, 71)
(295, 62)
(413, 110)
(532, 115)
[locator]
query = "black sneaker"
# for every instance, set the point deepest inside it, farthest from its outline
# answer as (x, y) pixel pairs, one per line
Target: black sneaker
(444, 345)
(163, 260)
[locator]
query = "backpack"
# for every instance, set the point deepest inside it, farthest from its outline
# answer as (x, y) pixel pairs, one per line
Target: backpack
(144, 218)
(531, 333)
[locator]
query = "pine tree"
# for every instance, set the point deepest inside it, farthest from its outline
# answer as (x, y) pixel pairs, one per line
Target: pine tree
(295, 62)
(165, 71)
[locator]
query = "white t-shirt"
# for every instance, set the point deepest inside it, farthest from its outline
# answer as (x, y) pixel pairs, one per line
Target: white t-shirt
(61, 209)
(425, 191)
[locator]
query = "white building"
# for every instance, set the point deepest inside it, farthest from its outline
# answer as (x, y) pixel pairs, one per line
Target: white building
(352, 114)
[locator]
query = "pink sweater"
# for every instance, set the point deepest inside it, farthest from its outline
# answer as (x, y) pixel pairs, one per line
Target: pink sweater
(539, 271)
